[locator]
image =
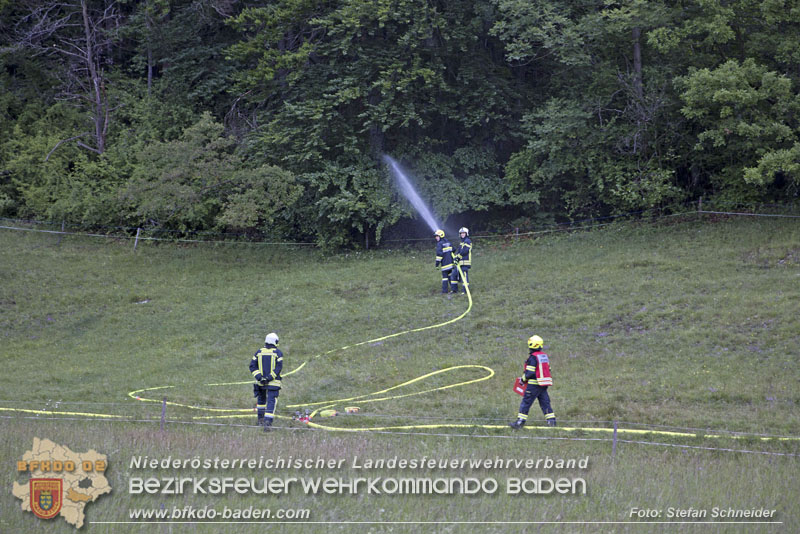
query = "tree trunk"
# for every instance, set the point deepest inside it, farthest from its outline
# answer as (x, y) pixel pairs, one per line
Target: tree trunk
(149, 26)
(149, 70)
(100, 115)
(637, 63)
(376, 136)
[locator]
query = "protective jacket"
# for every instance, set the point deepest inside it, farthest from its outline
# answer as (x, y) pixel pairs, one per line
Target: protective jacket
(463, 252)
(444, 254)
(266, 366)
(537, 369)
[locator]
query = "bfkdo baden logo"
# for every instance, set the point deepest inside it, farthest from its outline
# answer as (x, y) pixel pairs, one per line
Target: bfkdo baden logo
(62, 482)
(46, 496)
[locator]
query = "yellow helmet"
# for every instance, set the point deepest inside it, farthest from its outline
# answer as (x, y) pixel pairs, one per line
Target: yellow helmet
(439, 233)
(535, 342)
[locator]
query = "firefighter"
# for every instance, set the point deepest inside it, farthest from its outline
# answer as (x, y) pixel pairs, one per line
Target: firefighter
(537, 377)
(463, 258)
(444, 261)
(265, 366)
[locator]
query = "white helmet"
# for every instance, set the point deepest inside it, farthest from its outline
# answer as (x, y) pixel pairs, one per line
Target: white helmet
(464, 230)
(271, 339)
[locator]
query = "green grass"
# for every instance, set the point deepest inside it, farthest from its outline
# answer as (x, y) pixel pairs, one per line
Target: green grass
(691, 324)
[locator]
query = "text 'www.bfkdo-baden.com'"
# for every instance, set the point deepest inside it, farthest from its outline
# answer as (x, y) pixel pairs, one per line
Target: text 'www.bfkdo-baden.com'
(210, 513)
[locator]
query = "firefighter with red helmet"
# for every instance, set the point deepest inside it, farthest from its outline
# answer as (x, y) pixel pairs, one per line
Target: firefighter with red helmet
(538, 379)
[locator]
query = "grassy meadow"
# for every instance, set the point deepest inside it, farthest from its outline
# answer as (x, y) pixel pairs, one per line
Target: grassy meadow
(688, 325)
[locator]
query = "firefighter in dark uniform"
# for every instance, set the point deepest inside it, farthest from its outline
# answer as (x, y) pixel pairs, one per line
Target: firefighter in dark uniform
(463, 257)
(444, 260)
(537, 376)
(265, 366)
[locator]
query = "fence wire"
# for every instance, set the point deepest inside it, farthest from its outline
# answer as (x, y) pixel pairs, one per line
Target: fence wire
(516, 436)
(584, 224)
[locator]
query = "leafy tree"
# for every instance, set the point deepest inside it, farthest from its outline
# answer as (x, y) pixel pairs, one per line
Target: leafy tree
(63, 184)
(197, 182)
(337, 84)
(708, 33)
(746, 118)
(260, 199)
(76, 40)
(178, 48)
(577, 108)
(724, 49)
(603, 139)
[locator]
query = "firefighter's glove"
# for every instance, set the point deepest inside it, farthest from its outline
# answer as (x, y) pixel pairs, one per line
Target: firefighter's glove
(263, 382)
(259, 377)
(523, 379)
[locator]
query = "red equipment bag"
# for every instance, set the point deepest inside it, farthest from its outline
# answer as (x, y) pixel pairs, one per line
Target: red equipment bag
(519, 387)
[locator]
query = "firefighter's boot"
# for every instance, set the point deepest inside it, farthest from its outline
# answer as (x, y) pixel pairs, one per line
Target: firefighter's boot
(551, 421)
(267, 424)
(519, 423)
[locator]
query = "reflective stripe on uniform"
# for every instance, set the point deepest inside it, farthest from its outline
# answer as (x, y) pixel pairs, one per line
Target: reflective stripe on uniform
(260, 362)
(544, 380)
(274, 409)
(273, 355)
(272, 360)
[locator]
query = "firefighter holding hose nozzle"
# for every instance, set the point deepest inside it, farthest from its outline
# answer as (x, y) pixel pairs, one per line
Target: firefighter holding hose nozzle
(444, 261)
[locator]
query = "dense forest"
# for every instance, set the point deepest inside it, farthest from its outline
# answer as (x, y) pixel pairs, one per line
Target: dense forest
(270, 119)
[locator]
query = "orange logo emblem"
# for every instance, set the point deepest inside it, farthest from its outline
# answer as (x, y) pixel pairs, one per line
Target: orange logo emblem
(46, 496)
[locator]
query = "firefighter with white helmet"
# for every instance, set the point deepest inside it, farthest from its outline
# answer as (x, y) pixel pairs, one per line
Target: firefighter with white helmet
(265, 366)
(444, 261)
(463, 258)
(538, 379)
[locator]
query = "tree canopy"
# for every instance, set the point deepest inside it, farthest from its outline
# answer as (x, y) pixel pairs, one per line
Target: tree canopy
(271, 118)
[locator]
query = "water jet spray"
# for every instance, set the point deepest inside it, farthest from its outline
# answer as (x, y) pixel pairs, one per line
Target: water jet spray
(411, 194)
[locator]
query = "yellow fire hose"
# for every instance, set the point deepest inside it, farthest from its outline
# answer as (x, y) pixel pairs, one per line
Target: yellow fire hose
(379, 396)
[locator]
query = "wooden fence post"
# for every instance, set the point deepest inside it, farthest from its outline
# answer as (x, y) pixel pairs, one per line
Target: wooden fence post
(163, 413)
(614, 441)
